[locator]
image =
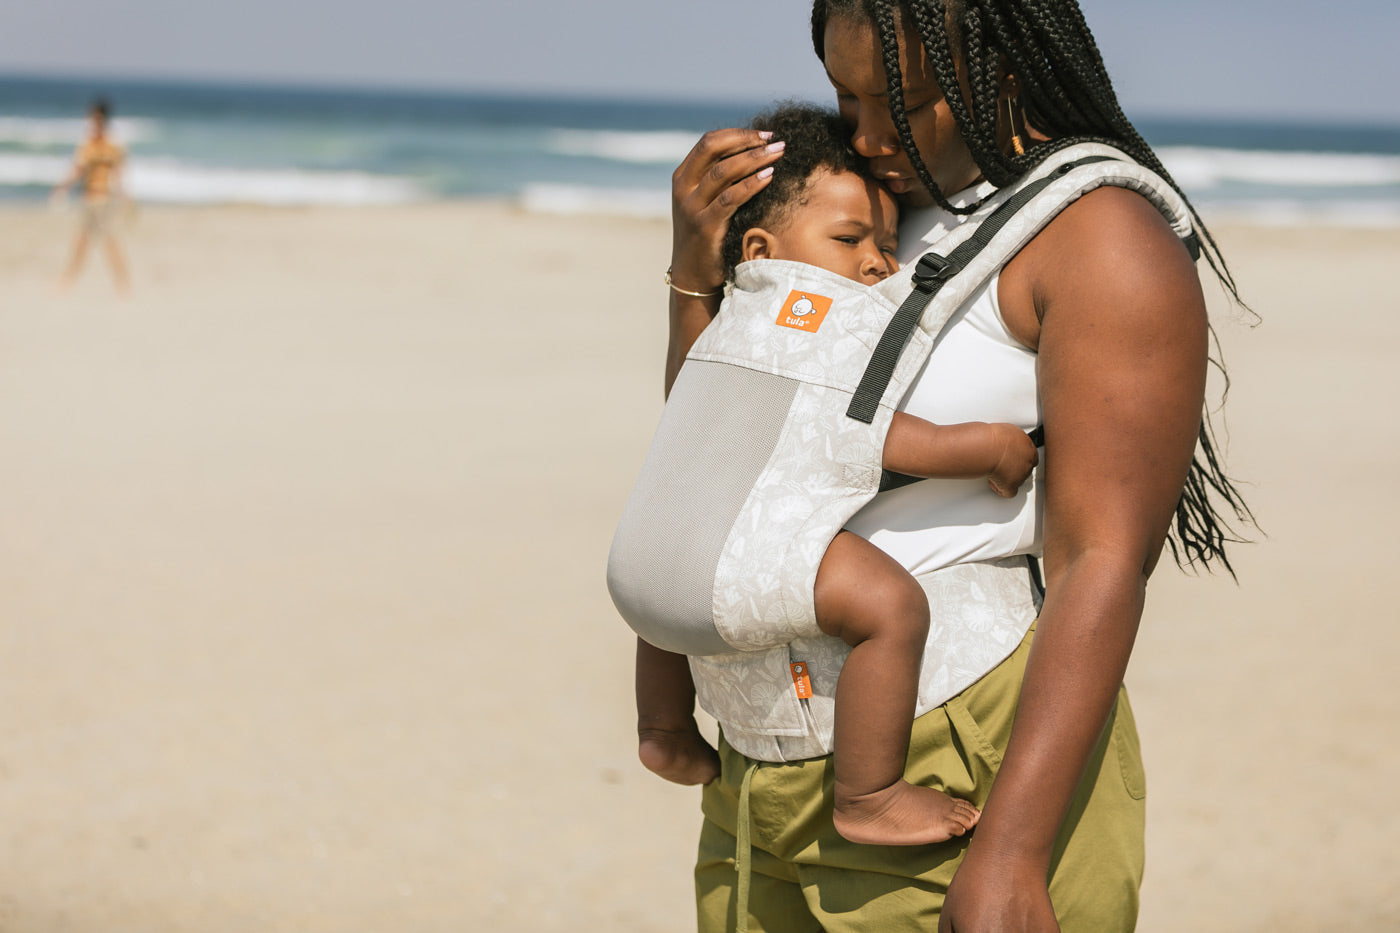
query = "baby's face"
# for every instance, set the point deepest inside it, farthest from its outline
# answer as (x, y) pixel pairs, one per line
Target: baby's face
(846, 224)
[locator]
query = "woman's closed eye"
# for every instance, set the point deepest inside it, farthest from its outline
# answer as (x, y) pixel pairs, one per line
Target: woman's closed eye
(916, 103)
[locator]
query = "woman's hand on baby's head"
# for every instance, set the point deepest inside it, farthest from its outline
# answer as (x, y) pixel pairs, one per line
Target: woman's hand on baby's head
(1017, 459)
(724, 169)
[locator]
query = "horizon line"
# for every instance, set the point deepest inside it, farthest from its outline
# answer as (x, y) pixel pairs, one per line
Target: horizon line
(599, 95)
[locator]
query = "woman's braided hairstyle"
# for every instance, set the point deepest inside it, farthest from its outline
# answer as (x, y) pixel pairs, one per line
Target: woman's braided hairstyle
(1066, 94)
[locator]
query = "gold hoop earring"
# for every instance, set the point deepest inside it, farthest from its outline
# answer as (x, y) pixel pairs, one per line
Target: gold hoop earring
(1016, 145)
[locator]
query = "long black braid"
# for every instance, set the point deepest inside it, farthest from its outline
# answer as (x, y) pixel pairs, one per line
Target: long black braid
(1066, 94)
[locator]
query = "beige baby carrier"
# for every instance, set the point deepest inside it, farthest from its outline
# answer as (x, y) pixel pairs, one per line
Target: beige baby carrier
(772, 437)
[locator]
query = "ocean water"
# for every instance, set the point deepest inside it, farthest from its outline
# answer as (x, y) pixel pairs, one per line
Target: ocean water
(210, 144)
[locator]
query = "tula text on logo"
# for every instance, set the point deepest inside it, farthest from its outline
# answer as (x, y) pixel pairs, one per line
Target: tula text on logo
(803, 311)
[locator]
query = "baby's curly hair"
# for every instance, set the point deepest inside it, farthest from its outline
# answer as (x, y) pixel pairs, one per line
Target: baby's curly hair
(816, 139)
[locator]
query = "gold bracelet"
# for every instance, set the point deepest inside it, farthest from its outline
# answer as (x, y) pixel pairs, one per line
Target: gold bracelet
(676, 288)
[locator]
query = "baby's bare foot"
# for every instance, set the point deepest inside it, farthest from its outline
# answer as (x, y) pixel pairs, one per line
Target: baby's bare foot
(903, 815)
(683, 756)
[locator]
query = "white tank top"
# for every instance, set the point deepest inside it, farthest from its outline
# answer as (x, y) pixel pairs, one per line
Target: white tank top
(977, 372)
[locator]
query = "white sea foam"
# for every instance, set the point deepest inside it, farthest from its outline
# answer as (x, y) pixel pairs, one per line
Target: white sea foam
(39, 132)
(1197, 168)
(173, 182)
(1194, 167)
(582, 199)
(1281, 212)
(33, 169)
(658, 147)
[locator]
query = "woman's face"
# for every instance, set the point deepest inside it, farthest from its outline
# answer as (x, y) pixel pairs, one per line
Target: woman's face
(854, 63)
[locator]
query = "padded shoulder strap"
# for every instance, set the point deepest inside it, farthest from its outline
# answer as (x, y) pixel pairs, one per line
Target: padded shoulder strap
(946, 275)
(930, 275)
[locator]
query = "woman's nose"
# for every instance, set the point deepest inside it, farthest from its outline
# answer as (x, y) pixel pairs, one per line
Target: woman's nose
(874, 134)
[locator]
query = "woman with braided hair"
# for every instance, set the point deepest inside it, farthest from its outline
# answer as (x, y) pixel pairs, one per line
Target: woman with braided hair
(1096, 329)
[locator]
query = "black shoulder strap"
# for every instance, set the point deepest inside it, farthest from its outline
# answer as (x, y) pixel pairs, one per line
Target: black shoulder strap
(930, 275)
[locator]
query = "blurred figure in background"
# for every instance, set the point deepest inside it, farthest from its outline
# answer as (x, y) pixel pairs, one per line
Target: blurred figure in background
(97, 165)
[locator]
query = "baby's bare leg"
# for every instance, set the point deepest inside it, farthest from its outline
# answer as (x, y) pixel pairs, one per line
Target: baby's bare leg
(865, 598)
(668, 741)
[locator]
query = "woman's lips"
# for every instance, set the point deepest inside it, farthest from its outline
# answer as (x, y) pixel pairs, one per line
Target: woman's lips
(898, 184)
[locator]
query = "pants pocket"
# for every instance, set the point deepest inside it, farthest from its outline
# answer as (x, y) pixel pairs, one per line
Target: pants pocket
(980, 756)
(1129, 748)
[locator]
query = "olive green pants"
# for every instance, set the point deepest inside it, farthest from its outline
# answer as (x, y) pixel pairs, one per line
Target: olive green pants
(801, 877)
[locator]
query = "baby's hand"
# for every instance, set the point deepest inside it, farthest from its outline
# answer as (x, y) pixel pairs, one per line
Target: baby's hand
(681, 756)
(1017, 458)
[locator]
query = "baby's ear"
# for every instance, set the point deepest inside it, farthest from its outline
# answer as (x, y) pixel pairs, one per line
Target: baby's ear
(757, 244)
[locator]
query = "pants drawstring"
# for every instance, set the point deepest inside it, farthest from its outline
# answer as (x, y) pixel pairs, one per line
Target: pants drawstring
(743, 853)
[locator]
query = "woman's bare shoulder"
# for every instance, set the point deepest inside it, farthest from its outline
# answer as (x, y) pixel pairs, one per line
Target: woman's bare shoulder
(1110, 249)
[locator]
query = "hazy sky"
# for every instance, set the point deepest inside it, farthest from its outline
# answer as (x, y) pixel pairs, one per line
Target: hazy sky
(1270, 58)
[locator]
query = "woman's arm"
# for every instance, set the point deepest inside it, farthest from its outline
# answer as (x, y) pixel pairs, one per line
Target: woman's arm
(1122, 341)
(689, 316)
(724, 170)
(75, 173)
(116, 184)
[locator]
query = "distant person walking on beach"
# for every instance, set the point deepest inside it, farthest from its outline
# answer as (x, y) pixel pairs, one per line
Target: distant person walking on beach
(97, 165)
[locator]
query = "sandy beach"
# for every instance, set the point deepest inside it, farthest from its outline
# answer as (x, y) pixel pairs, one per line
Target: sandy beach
(302, 615)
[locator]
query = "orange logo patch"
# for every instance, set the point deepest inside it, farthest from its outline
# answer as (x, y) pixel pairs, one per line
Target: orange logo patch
(801, 679)
(804, 311)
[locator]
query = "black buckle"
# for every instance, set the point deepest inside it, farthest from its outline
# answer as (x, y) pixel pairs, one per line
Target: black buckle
(933, 268)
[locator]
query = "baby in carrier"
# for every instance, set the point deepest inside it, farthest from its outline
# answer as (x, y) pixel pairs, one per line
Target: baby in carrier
(823, 208)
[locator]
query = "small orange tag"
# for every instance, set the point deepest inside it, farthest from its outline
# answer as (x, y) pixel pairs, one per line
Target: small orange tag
(801, 680)
(804, 311)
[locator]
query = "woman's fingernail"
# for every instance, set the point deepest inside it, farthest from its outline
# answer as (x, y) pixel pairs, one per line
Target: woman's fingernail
(776, 147)
(765, 134)
(764, 173)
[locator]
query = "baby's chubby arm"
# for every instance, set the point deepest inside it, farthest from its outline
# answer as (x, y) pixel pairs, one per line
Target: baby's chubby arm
(1001, 452)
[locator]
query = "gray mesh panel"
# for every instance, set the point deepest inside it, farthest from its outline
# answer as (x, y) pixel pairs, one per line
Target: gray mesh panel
(716, 435)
